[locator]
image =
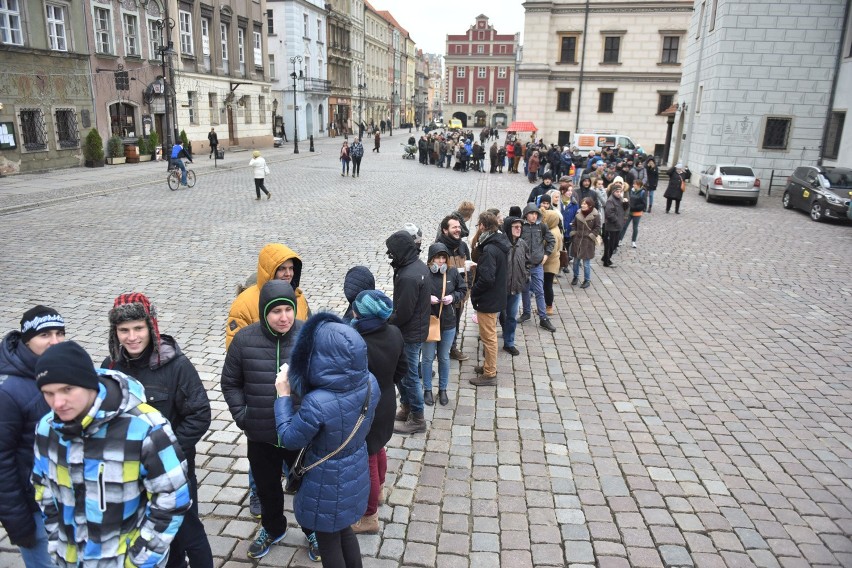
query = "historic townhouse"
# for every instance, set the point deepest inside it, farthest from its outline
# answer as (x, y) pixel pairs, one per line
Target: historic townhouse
(376, 63)
(435, 99)
(340, 65)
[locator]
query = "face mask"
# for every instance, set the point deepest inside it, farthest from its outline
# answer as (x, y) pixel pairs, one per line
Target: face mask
(436, 269)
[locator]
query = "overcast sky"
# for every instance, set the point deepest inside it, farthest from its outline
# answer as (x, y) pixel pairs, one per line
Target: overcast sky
(429, 22)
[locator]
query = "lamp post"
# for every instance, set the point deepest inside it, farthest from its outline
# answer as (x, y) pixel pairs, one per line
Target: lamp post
(390, 126)
(362, 86)
(294, 60)
(274, 113)
(166, 48)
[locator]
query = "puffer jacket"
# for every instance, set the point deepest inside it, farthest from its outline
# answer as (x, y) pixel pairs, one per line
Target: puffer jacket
(488, 293)
(244, 309)
(21, 407)
(329, 366)
(455, 287)
(411, 289)
(251, 365)
(173, 387)
(116, 504)
(551, 221)
(537, 236)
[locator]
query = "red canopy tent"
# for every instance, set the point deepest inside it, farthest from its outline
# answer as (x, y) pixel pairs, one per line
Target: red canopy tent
(522, 126)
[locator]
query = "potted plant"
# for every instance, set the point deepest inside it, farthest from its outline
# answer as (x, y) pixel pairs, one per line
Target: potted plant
(93, 149)
(185, 141)
(153, 144)
(115, 151)
(144, 150)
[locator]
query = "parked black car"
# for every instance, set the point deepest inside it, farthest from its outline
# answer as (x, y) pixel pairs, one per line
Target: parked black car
(823, 191)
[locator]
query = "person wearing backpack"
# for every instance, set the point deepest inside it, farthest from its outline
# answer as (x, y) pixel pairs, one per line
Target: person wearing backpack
(637, 202)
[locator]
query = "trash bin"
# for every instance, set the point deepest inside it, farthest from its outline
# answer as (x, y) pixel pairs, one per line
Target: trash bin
(220, 154)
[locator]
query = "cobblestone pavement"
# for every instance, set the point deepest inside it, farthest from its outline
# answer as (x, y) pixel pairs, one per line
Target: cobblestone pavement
(692, 409)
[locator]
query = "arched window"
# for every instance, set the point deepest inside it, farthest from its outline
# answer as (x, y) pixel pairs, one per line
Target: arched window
(122, 120)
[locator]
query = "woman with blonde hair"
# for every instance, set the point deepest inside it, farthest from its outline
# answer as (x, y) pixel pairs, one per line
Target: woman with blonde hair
(260, 170)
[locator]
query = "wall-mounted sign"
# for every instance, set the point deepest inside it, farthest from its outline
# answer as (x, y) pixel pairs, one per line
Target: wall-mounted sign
(7, 136)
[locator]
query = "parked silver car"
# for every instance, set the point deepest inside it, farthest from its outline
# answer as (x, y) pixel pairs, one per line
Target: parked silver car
(729, 182)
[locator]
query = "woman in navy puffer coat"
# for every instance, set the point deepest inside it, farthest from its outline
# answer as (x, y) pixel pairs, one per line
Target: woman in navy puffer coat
(328, 370)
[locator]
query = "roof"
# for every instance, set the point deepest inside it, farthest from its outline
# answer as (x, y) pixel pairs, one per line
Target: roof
(387, 15)
(522, 126)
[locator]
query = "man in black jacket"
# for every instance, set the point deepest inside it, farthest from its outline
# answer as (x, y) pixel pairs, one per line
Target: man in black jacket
(173, 387)
(488, 294)
(450, 236)
(411, 310)
(213, 139)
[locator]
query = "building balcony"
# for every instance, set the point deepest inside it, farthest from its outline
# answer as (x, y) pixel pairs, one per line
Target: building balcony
(321, 86)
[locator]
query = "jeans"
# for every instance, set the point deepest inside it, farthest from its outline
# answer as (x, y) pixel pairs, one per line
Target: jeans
(339, 549)
(410, 387)
(650, 199)
(587, 268)
(191, 539)
(449, 160)
(488, 336)
(443, 349)
(510, 319)
(378, 469)
(344, 166)
(536, 287)
(179, 163)
(37, 556)
(633, 220)
(356, 165)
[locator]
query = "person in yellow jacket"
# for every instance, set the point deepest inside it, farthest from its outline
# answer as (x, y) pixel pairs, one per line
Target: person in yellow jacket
(275, 261)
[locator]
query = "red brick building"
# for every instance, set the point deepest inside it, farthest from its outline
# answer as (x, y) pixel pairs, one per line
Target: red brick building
(480, 76)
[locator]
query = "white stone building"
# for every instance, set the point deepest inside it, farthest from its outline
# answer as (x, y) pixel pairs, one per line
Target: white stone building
(358, 45)
(616, 68)
(757, 85)
(376, 63)
(298, 30)
(837, 148)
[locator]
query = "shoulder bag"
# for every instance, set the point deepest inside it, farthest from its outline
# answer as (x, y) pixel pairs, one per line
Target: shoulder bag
(298, 471)
(435, 322)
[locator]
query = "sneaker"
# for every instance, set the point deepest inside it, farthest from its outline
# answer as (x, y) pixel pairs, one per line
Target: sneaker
(458, 355)
(524, 317)
(260, 547)
(548, 325)
(585, 284)
(483, 380)
(254, 505)
(313, 548)
(634, 244)
(511, 349)
(269, 195)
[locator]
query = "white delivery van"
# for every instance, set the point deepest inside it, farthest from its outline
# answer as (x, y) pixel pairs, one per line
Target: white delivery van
(599, 140)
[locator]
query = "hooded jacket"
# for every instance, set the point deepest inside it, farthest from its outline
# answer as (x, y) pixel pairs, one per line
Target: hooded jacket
(330, 366)
(518, 265)
(537, 236)
(488, 293)
(551, 221)
(456, 287)
(21, 407)
(357, 279)
(540, 190)
(251, 365)
(411, 289)
(613, 213)
(244, 309)
(114, 492)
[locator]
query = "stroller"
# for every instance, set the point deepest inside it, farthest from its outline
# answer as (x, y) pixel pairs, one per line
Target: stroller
(409, 151)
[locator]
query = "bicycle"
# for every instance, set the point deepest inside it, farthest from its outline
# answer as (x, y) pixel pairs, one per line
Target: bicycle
(175, 174)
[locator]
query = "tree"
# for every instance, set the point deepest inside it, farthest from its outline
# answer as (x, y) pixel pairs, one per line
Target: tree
(93, 148)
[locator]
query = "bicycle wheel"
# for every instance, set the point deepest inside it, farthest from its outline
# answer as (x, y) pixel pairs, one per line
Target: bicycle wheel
(190, 178)
(174, 180)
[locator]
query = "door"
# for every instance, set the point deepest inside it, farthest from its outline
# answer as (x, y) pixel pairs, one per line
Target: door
(232, 128)
(309, 119)
(809, 193)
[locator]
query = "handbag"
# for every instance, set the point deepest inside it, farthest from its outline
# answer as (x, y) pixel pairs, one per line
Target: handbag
(298, 471)
(435, 322)
(683, 185)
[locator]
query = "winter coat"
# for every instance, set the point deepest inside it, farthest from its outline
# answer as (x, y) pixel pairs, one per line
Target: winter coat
(117, 502)
(569, 211)
(488, 293)
(510, 151)
(640, 174)
(455, 287)
(21, 407)
(551, 221)
(411, 289)
(330, 361)
(356, 150)
(584, 234)
(213, 138)
(251, 365)
(673, 190)
(533, 164)
(259, 165)
(582, 192)
(386, 361)
(638, 202)
(244, 310)
(344, 153)
(653, 178)
(173, 387)
(540, 190)
(537, 236)
(614, 213)
(517, 267)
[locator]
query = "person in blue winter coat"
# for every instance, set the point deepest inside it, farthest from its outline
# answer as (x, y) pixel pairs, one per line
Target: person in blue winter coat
(329, 372)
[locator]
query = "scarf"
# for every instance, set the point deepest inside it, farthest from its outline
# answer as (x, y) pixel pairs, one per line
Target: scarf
(368, 324)
(484, 237)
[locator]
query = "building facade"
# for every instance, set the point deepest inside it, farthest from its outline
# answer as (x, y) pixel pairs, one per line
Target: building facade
(837, 136)
(421, 89)
(480, 70)
(586, 67)
(357, 15)
(376, 63)
(435, 97)
(340, 66)
(758, 83)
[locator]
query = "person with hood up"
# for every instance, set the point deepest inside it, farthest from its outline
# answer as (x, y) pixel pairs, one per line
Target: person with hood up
(585, 230)
(21, 407)
(357, 279)
(386, 360)
(532, 167)
(411, 309)
(613, 221)
(108, 471)
(586, 190)
(544, 187)
(173, 387)
(248, 385)
(488, 294)
(517, 276)
(653, 179)
(542, 244)
(551, 220)
(448, 288)
(329, 373)
(275, 262)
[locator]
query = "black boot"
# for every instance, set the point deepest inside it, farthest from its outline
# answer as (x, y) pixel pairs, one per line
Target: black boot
(428, 400)
(442, 397)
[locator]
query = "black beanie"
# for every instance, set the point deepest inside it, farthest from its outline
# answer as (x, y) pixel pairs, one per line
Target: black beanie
(66, 363)
(38, 319)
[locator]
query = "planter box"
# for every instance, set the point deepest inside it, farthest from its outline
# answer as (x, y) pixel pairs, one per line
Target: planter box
(145, 158)
(94, 163)
(116, 161)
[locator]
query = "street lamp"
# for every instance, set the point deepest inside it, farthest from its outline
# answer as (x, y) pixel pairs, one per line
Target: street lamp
(274, 113)
(390, 126)
(362, 86)
(294, 60)
(166, 48)
(413, 114)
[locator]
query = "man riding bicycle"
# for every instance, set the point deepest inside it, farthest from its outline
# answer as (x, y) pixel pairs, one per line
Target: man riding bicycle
(177, 151)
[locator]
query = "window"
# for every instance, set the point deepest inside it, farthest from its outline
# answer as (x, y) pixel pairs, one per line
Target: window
(67, 134)
(480, 96)
(612, 45)
(153, 39)
(10, 23)
(700, 96)
(192, 100)
(56, 27)
(103, 30)
(563, 101)
(131, 35)
(33, 132)
(480, 35)
(205, 42)
(213, 102)
(713, 10)
(502, 49)
(247, 105)
(460, 72)
(271, 66)
(261, 109)
(319, 31)
(501, 72)
(605, 101)
(270, 23)
(481, 73)
(223, 36)
(305, 24)
(700, 21)
(458, 47)
(480, 49)
(666, 100)
(568, 49)
(185, 33)
(122, 118)
(776, 133)
(671, 44)
(241, 49)
(501, 96)
(258, 51)
(835, 133)
(460, 96)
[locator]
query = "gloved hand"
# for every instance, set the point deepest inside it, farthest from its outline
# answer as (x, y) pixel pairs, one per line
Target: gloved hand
(447, 300)
(28, 541)
(435, 299)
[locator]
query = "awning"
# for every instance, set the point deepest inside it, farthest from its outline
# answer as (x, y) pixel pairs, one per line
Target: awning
(522, 126)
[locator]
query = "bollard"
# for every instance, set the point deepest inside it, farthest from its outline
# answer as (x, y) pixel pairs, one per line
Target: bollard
(312, 143)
